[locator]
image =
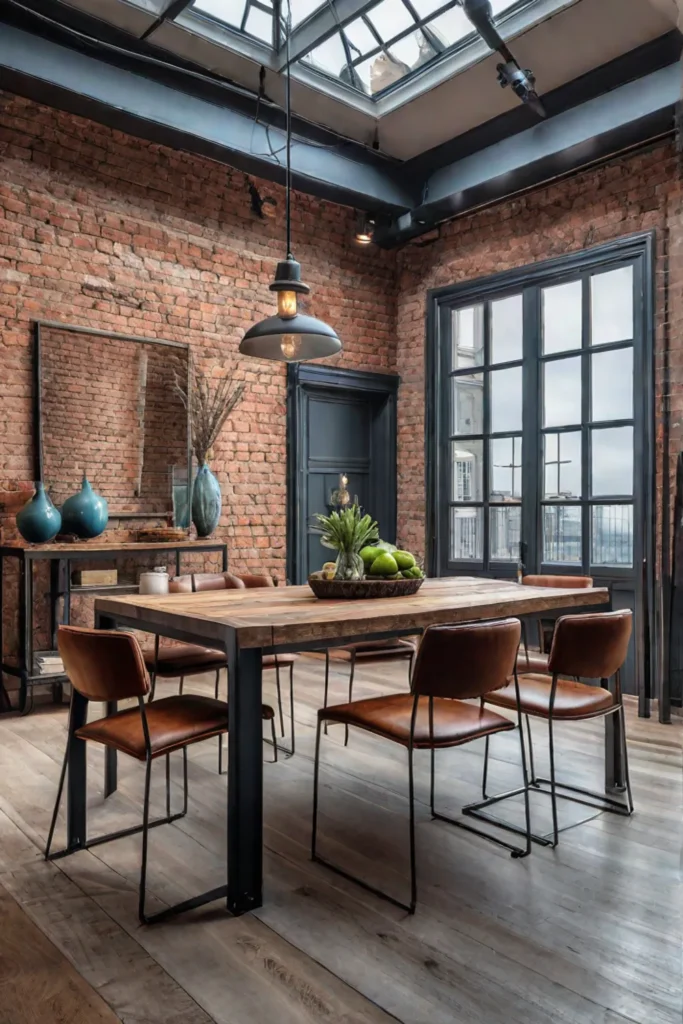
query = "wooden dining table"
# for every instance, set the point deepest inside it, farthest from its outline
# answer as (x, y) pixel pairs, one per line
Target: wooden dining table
(246, 624)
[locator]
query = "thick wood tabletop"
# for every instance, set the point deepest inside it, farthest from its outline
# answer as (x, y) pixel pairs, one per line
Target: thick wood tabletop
(268, 617)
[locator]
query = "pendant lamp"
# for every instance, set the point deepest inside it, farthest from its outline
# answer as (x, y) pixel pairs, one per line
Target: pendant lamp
(290, 336)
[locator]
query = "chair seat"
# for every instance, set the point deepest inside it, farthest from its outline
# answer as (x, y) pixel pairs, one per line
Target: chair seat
(572, 699)
(282, 660)
(375, 650)
(173, 722)
(454, 721)
(183, 659)
(532, 661)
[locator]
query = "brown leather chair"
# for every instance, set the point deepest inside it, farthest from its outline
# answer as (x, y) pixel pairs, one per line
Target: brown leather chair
(181, 660)
(454, 664)
(108, 666)
(591, 646)
(537, 661)
(370, 652)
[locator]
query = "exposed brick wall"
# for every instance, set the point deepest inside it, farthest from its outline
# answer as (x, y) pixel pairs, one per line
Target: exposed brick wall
(630, 194)
(101, 229)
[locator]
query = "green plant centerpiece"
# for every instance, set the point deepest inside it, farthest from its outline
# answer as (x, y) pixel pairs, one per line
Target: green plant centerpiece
(348, 533)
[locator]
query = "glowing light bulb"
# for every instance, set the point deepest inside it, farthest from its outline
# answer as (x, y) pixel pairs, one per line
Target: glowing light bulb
(290, 346)
(286, 304)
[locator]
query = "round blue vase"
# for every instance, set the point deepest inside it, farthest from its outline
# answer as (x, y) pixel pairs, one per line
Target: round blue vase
(206, 502)
(39, 520)
(86, 513)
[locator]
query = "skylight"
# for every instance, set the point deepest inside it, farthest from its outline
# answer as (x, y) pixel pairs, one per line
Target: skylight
(391, 40)
(254, 17)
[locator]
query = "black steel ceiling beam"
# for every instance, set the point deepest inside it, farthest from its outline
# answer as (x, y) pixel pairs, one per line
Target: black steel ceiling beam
(584, 135)
(61, 77)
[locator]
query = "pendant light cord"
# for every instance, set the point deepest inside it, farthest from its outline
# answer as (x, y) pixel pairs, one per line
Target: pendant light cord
(288, 173)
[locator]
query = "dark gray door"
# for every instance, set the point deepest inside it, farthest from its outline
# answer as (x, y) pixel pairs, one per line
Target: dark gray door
(341, 423)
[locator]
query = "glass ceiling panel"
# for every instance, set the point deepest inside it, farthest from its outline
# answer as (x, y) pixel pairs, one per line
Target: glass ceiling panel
(391, 40)
(254, 17)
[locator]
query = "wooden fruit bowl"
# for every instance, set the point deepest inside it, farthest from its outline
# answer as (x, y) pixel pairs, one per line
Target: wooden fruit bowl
(358, 590)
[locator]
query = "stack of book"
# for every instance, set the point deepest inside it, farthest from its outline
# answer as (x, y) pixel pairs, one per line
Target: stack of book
(48, 663)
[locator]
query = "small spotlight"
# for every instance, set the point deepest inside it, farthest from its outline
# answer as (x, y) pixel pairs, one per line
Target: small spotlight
(523, 85)
(365, 228)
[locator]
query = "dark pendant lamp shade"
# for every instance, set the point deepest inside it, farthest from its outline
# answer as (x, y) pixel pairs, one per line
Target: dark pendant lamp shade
(291, 340)
(290, 337)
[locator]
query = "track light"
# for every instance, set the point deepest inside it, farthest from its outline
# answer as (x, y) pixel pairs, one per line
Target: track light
(523, 83)
(365, 229)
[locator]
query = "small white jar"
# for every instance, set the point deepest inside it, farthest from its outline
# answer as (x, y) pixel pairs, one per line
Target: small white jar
(154, 582)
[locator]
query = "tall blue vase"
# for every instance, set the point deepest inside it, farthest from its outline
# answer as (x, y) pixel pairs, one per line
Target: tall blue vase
(39, 521)
(86, 514)
(206, 502)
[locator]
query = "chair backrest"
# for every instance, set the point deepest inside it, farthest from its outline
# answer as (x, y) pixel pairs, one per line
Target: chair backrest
(570, 582)
(257, 581)
(180, 585)
(103, 664)
(591, 646)
(467, 660)
(216, 581)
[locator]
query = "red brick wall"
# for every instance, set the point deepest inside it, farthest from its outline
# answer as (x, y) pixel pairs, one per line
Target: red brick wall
(630, 194)
(102, 229)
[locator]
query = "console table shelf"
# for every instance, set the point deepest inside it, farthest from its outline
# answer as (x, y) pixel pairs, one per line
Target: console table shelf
(60, 556)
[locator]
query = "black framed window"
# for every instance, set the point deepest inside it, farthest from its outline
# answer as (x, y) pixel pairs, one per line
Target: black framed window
(538, 439)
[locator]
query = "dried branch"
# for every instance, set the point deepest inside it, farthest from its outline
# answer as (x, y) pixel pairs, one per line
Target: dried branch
(208, 407)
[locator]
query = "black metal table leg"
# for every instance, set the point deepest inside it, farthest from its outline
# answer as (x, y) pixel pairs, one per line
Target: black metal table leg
(76, 776)
(225, 557)
(245, 779)
(25, 606)
(110, 756)
(615, 779)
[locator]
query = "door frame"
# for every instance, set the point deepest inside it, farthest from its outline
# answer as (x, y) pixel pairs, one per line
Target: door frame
(639, 247)
(306, 379)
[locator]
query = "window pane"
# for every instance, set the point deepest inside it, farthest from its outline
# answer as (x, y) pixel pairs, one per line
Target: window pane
(360, 36)
(612, 535)
(562, 465)
(330, 56)
(467, 326)
(612, 458)
(562, 392)
(414, 50)
(505, 526)
(302, 8)
(562, 305)
(467, 534)
(390, 17)
(467, 470)
(381, 71)
(506, 400)
(228, 11)
(467, 396)
(506, 329)
(612, 385)
(506, 469)
(562, 534)
(259, 24)
(452, 26)
(426, 7)
(612, 306)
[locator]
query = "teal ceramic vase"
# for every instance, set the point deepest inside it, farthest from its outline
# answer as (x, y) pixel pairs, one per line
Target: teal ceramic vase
(206, 502)
(39, 520)
(86, 513)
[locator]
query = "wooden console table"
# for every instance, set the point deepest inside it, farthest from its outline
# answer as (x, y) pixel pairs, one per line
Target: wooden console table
(60, 557)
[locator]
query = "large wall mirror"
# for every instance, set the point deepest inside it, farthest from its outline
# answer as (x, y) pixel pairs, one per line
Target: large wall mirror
(108, 404)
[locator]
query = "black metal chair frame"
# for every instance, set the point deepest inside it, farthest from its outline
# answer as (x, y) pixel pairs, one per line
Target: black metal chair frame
(410, 656)
(78, 699)
(515, 851)
(272, 741)
(599, 801)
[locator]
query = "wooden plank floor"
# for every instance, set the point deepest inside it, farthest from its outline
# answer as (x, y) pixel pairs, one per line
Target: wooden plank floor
(588, 934)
